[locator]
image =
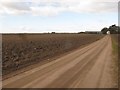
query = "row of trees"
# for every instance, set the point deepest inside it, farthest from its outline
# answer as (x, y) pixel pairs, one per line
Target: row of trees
(113, 30)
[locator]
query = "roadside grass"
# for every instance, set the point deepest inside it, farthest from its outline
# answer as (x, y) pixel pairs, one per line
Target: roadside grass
(118, 67)
(115, 60)
(115, 47)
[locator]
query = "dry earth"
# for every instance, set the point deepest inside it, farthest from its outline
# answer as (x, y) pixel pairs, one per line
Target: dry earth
(89, 67)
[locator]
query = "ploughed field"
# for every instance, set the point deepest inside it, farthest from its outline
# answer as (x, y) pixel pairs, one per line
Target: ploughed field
(21, 50)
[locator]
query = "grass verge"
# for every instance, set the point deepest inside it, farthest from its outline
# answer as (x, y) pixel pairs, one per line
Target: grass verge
(115, 60)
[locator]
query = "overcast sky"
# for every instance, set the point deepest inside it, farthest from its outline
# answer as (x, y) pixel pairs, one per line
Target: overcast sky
(57, 15)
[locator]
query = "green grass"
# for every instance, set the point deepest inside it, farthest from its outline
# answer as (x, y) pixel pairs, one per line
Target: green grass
(115, 47)
(115, 59)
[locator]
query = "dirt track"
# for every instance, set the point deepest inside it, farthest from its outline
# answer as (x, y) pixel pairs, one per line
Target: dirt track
(88, 67)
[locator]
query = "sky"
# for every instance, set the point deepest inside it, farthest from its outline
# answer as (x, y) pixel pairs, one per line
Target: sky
(38, 16)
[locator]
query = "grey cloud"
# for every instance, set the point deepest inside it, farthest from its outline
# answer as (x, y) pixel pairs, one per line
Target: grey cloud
(17, 5)
(50, 8)
(105, 6)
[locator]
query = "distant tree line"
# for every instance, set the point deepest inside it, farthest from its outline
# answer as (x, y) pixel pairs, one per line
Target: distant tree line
(113, 29)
